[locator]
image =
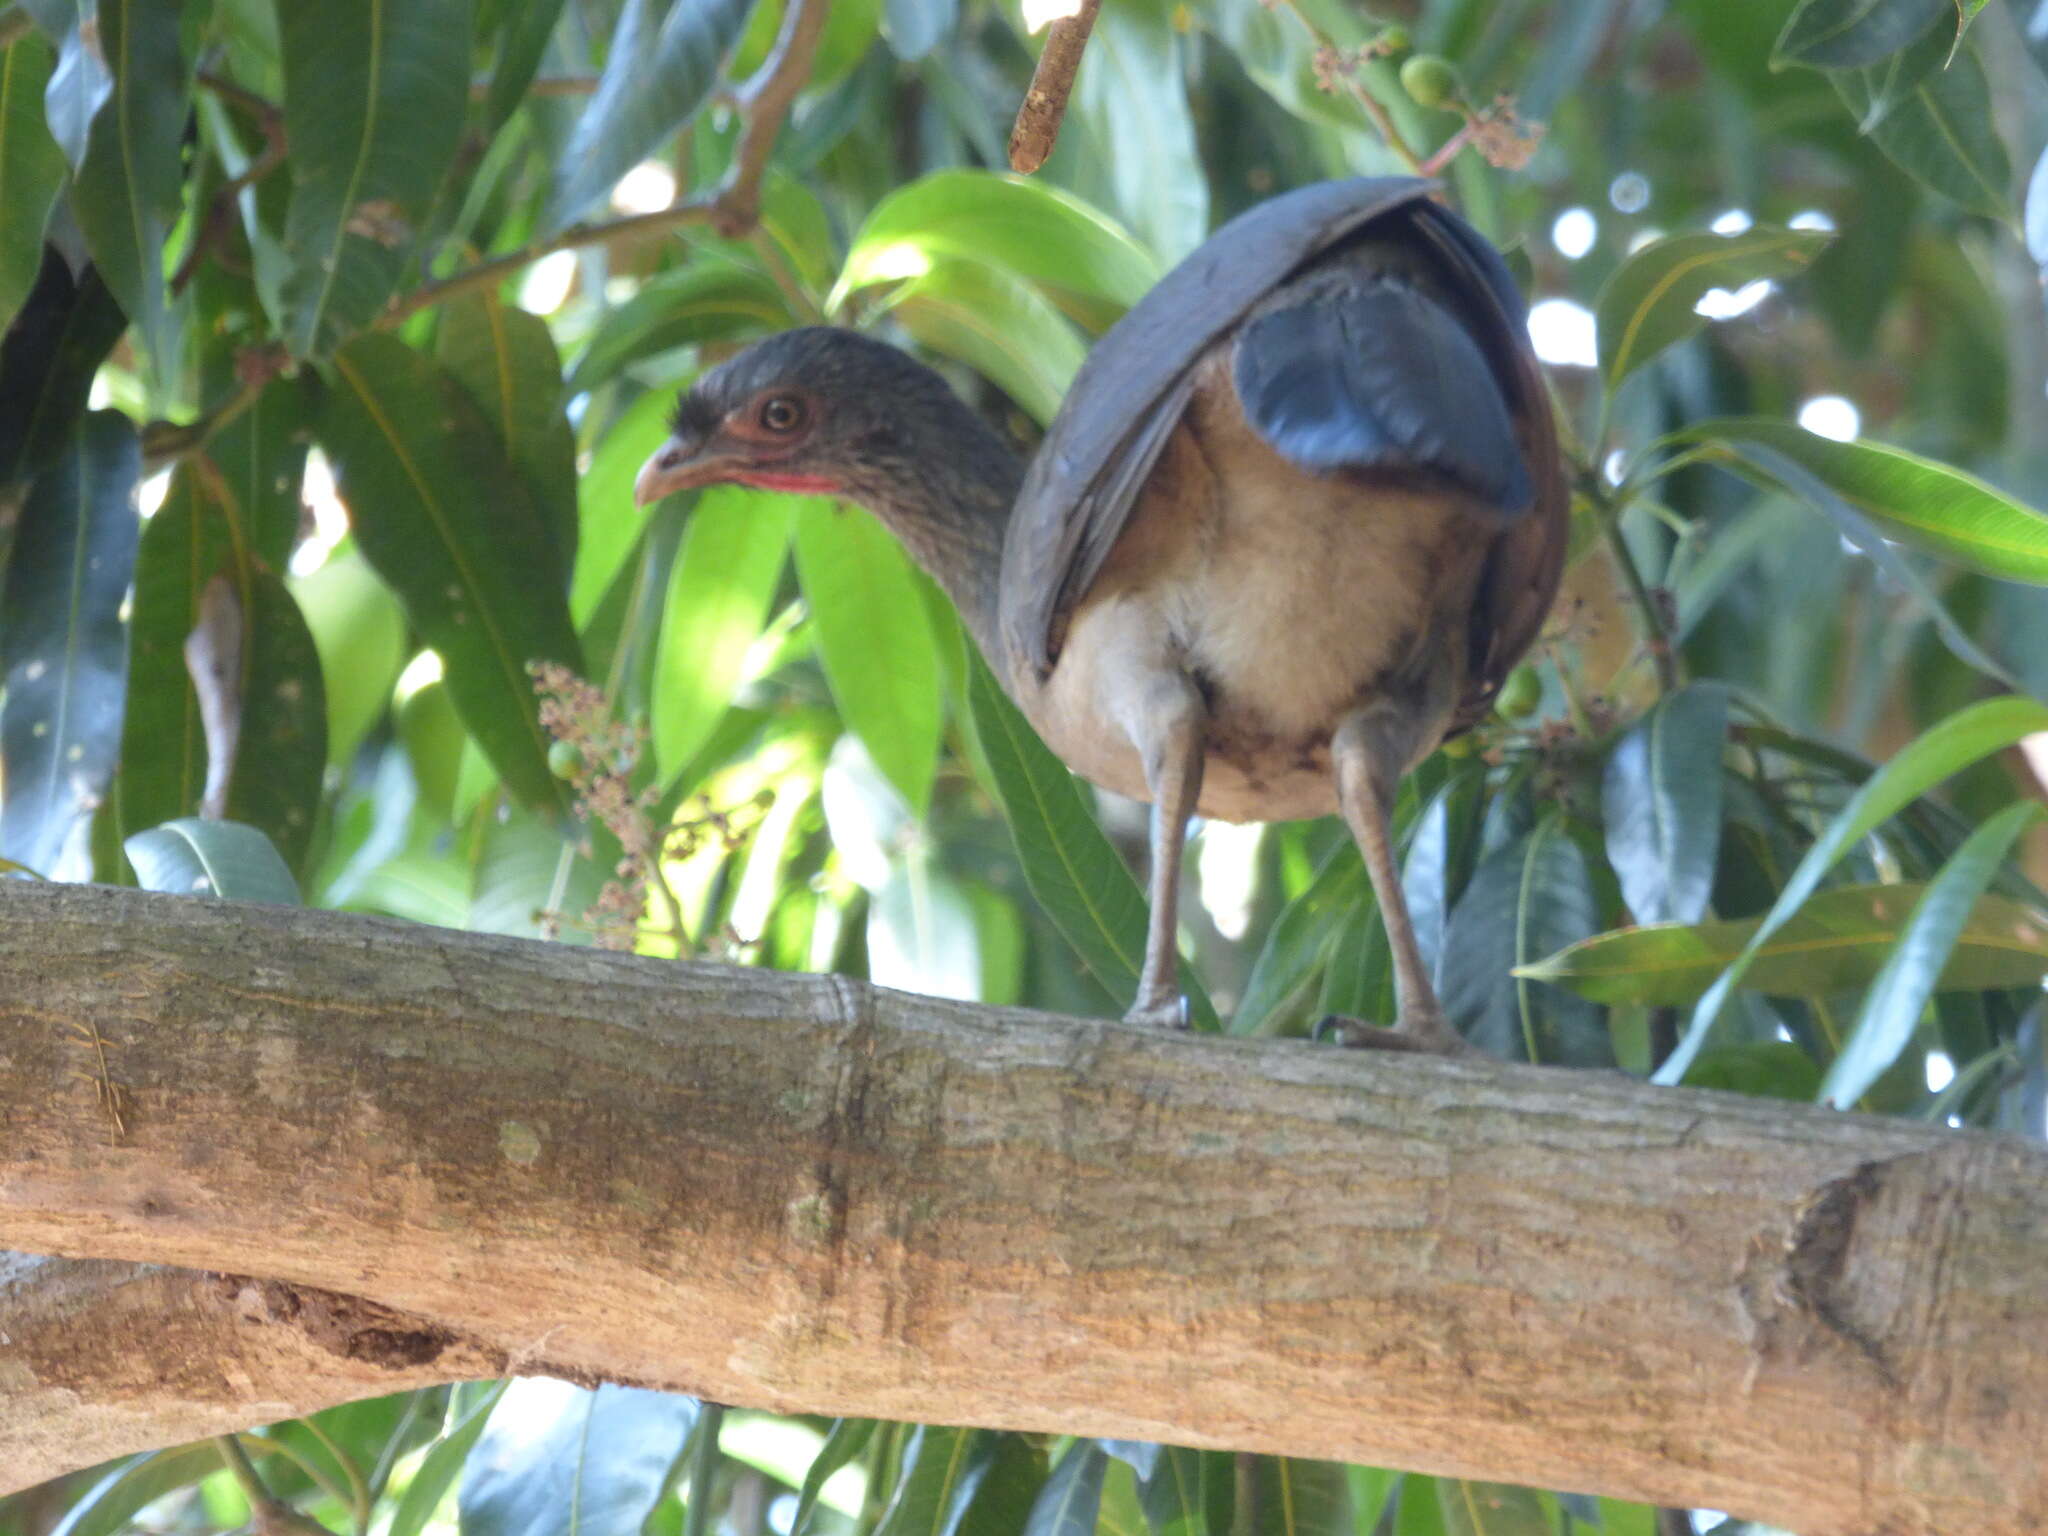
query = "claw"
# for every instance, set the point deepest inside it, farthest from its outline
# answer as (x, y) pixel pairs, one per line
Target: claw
(1428, 1037)
(1173, 1013)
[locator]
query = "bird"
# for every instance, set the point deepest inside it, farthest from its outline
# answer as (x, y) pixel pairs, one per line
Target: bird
(1301, 511)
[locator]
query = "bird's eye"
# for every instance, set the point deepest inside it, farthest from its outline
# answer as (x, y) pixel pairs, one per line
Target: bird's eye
(781, 413)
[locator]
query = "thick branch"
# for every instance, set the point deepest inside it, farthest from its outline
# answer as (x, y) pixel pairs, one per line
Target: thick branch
(801, 1193)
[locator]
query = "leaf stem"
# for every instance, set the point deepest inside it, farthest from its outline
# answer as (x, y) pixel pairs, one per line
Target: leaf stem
(703, 1468)
(1656, 631)
(1382, 119)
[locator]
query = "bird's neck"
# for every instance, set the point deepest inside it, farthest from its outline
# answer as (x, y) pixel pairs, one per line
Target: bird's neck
(945, 489)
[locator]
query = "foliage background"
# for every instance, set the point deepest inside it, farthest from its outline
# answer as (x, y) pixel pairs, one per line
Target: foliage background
(335, 335)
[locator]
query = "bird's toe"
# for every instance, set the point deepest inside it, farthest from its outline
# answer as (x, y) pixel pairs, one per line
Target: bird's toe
(1159, 1013)
(1428, 1034)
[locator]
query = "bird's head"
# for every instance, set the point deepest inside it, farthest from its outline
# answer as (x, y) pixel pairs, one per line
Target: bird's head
(818, 411)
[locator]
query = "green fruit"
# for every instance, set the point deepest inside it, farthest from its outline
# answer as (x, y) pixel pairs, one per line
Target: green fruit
(1429, 79)
(1520, 694)
(564, 760)
(1391, 40)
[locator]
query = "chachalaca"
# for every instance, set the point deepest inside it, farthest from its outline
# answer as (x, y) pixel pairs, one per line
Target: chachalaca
(1301, 511)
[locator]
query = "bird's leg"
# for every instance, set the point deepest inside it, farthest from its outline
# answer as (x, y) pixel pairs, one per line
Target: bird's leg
(1368, 766)
(1168, 733)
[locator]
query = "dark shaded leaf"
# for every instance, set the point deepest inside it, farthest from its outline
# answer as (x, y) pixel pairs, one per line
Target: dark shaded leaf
(1525, 901)
(1002, 1504)
(190, 857)
(1067, 1504)
(845, 1440)
(1940, 131)
(374, 98)
(1943, 749)
(1069, 865)
(724, 577)
(63, 646)
(1302, 1498)
(1661, 801)
(558, 1458)
(1847, 34)
(1490, 1509)
(440, 514)
(874, 640)
(1141, 1456)
(711, 299)
(56, 343)
(127, 195)
(260, 461)
(1650, 301)
(521, 45)
(1887, 83)
(31, 167)
(506, 359)
(1951, 905)
(663, 62)
(1837, 941)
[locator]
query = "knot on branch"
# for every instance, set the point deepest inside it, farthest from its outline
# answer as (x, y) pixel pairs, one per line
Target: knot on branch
(348, 1327)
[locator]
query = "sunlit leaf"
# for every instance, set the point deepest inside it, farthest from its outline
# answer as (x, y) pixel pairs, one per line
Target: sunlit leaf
(1837, 941)
(661, 64)
(441, 1466)
(190, 857)
(845, 1440)
(996, 324)
(719, 590)
(1946, 748)
(374, 97)
(1948, 908)
(940, 1472)
(556, 1457)
(1661, 801)
(439, 512)
(65, 652)
(874, 641)
(1650, 301)
(359, 632)
(1135, 94)
(711, 299)
(609, 521)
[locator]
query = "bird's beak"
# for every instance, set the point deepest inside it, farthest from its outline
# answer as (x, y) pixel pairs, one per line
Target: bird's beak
(678, 465)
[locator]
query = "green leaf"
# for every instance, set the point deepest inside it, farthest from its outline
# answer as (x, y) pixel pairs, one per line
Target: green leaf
(375, 93)
(1650, 301)
(31, 167)
(190, 857)
(610, 522)
(110, 1506)
(1661, 801)
(874, 640)
(1173, 1496)
(1846, 34)
(723, 580)
(941, 1470)
(64, 650)
(1134, 94)
(81, 82)
(522, 43)
(1919, 501)
(1080, 258)
(1940, 131)
(440, 514)
(1067, 1504)
(996, 324)
(1302, 1498)
(1301, 935)
(845, 1440)
(1490, 1509)
(128, 191)
(558, 1458)
(1966, 737)
(505, 358)
(1528, 899)
(1774, 1069)
(260, 463)
(1069, 865)
(921, 932)
(915, 27)
(1836, 941)
(58, 339)
(1919, 963)
(658, 72)
(441, 1466)
(1887, 83)
(711, 299)
(359, 633)
(1002, 1504)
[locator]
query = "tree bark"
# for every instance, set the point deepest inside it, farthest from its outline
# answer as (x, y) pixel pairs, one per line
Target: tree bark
(447, 1154)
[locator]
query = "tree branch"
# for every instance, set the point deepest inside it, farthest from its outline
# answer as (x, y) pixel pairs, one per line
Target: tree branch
(1044, 106)
(798, 1192)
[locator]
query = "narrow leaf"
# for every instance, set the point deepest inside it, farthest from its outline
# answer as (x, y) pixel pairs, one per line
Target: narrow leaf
(1844, 34)
(55, 345)
(1067, 1504)
(1940, 132)
(441, 1466)
(1661, 801)
(109, 1507)
(1650, 301)
(610, 524)
(724, 577)
(1300, 936)
(440, 514)
(64, 650)
(940, 1471)
(375, 93)
(874, 640)
(1836, 942)
(190, 857)
(1891, 1010)
(661, 66)
(31, 166)
(1965, 737)
(1172, 1496)
(1302, 1498)
(1069, 865)
(845, 1440)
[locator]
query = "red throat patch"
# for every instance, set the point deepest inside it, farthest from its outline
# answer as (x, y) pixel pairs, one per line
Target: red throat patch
(801, 485)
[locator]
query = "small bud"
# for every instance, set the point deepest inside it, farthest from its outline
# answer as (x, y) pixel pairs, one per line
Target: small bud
(1430, 80)
(1519, 695)
(1390, 40)
(564, 759)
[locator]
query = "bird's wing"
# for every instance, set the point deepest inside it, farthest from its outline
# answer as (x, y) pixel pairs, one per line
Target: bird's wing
(1129, 395)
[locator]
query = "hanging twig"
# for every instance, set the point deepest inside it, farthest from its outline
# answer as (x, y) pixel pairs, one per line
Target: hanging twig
(1045, 103)
(763, 102)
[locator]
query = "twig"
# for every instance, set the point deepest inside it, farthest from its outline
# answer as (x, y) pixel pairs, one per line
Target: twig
(763, 102)
(220, 209)
(1382, 120)
(269, 1515)
(15, 24)
(1656, 631)
(1045, 102)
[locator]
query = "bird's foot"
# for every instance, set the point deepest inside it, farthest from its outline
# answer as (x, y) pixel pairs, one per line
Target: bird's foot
(1427, 1034)
(1169, 1012)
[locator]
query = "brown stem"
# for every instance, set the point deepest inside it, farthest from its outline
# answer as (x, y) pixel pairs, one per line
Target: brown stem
(763, 102)
(1045, 103)
(1382, 119)
(220, 208)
